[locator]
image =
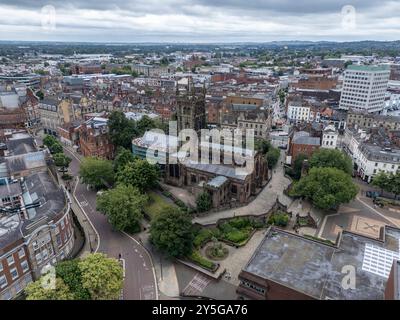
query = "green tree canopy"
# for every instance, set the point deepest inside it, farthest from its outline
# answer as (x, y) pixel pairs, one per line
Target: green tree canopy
(204, 202)
(38, 291)
(295, 171)
(388, 182)
(171, 232)
(61, 160)
(97, 172)
(121, 129)
(273, 155)
(123, 157)
(53, 144)
(262, 145)
(331, 158)
(123, 206)
(327, 188)
(382, 181)
(101, 276)
(140, 174)
(70, 273)
(144, 124)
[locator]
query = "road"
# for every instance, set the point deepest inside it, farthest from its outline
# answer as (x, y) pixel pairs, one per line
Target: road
(140, 281)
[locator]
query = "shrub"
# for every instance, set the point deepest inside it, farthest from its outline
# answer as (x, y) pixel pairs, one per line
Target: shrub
(240, 223)
(237, 236)
(202, 236)
(197, 258)
(279, 219)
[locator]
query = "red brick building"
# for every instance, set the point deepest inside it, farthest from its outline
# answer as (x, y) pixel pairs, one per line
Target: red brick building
(302, 142)
(94, 139)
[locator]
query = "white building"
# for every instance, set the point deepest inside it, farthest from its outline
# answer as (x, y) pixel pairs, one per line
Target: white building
(329, 137)
(298, 112)
(364, 87)
(370, 159)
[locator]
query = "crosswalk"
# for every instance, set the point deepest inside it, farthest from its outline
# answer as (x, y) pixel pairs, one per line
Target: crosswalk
(197, 285)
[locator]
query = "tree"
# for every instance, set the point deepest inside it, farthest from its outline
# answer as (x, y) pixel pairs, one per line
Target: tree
(140, 174)
(40, 95)
(295, 171)
(333, 159)
(53, 144)
(97, 172)
(123, 207)
(388, 182)
(101, 276)
(204, 202)
(144, 124)
(40, 290)
(382, 181)
(123, 157)
(327, 188)
(171, 232)
(262, 145)
(272, 157)
(61, 160)
(121, 129)
(71, 274)
(49, 140)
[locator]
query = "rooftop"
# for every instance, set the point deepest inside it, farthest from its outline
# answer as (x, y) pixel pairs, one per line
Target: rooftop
(369, 68)
(316, 269)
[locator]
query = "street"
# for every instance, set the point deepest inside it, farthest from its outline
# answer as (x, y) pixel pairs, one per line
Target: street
(140, 282)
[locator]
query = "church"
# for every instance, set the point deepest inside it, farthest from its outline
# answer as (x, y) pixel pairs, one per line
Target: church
(226, 183)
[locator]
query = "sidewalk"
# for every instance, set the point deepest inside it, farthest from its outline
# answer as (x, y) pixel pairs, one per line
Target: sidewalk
(90, 234)
(165, 269)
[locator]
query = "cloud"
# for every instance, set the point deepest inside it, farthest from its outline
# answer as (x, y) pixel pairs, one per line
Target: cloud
(199, 20)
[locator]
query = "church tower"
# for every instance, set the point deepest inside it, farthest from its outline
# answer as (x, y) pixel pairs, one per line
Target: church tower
(191, 108)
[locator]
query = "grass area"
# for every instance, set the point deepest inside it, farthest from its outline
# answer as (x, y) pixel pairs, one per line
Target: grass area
(236, 230)
(197, 258)
(156, 204)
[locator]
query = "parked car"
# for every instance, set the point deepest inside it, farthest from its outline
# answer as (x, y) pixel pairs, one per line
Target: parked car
(373, 194)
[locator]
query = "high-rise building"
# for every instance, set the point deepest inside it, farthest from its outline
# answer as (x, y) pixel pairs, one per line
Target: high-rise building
(364, 88)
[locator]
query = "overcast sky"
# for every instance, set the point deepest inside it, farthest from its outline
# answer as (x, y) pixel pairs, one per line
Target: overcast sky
(199, 20)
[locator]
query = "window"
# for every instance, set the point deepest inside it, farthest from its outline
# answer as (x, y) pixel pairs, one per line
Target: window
(234, 189)
(24, 266)
(14, 273)
(18, 287)
(3, 282)
(58, 238)
(21, 253)
(62, 224)
(1, 266)
(38, 258)
(10, 260)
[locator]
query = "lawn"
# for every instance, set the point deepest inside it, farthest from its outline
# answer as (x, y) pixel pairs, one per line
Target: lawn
(156, 204)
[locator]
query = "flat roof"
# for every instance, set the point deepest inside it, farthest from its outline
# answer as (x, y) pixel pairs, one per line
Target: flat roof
(318, 269)
(369, 68)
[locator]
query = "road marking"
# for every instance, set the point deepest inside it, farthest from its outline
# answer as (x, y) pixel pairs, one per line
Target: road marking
(151, 261)
(196, 285)
(98, 236)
